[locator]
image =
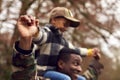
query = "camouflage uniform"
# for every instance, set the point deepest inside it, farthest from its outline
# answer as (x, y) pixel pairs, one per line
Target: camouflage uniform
(30, 64)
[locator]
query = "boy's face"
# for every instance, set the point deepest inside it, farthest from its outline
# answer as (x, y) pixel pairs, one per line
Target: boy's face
(73, 66)
(61, 23)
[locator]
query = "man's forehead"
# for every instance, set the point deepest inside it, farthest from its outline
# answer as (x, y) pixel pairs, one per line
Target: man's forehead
(75, 57)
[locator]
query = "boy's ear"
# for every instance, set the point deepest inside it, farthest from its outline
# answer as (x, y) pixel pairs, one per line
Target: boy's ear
(53, 20)
(61, 64)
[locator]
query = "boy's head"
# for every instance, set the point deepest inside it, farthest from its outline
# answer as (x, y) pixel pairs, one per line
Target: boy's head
(61, 18)
(69, 62)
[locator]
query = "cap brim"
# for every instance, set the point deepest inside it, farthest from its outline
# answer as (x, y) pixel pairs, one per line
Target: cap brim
(73, 22)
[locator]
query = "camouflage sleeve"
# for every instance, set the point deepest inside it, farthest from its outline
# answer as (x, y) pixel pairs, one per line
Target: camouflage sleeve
(24, 64)
(93, 70)
(89, 74)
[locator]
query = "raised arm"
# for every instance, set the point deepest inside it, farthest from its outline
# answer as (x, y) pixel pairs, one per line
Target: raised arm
(93, 52)
(23, 58)
(94, 69)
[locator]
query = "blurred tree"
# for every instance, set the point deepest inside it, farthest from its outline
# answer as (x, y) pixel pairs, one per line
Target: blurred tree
(98, 23)
(5, 56)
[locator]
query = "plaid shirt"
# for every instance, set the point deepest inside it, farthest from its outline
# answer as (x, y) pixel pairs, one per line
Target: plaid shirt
(41, 57)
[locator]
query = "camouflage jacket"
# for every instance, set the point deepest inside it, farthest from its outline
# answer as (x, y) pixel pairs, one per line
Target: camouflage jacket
(25, 68)
(30, 64)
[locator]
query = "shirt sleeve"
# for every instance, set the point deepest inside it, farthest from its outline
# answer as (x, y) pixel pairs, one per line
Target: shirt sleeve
(24, 64)
(94, 70)
(42, 36)
(90, 74)
(83, 51)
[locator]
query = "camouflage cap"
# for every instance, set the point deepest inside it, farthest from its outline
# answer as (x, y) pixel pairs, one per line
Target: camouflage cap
(66, 13)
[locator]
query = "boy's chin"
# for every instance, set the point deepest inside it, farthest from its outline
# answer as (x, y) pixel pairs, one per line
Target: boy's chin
(63, 30)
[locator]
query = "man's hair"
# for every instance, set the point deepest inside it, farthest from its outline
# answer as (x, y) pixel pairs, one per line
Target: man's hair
(64, 54)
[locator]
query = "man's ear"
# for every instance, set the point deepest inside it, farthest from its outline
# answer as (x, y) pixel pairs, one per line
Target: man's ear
(61, 64)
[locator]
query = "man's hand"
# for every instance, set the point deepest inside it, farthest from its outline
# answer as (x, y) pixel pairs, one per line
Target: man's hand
(27, 26)
(96, 53)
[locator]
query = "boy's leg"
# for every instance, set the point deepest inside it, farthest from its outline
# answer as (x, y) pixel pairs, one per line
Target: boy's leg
(54, 75)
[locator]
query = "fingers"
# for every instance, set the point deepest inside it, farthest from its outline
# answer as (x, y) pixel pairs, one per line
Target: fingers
(96, 50)
(37, 22)
(28, 20)
(32, 20)
(97, 54)
(25, 20)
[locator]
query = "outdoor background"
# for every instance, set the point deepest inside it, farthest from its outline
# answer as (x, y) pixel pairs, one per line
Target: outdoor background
(100, 27)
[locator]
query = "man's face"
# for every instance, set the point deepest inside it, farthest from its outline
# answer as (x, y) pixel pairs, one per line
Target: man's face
(73, 66)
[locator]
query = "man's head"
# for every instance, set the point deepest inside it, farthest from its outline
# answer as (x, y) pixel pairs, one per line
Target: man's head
(62, 17)
(69, 62)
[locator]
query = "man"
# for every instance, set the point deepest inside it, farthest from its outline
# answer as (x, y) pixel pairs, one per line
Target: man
(69, 62)
(49, 41)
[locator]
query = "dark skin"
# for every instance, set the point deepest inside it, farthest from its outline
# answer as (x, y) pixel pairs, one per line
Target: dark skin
(72, 67)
